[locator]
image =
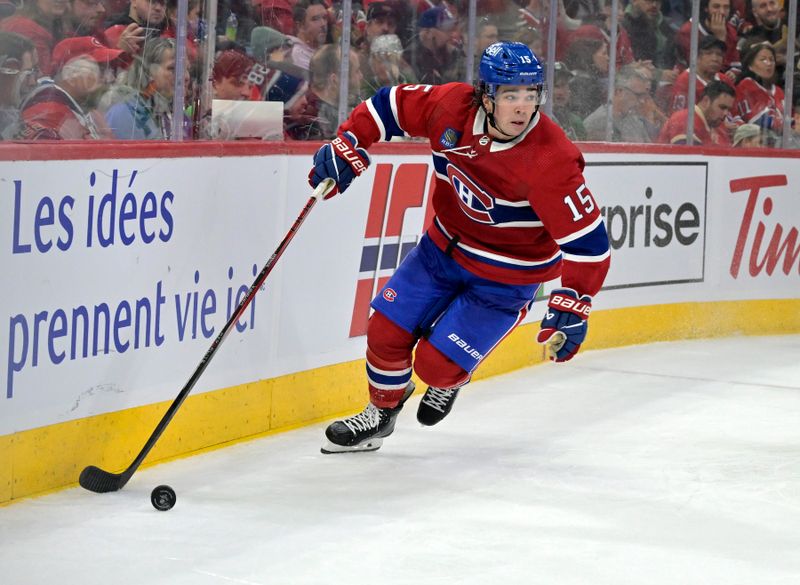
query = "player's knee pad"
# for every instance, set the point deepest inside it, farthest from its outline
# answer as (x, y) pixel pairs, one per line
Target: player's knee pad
(436, 369)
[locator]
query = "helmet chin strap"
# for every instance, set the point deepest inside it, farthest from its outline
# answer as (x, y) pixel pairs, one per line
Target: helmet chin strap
(493, 124)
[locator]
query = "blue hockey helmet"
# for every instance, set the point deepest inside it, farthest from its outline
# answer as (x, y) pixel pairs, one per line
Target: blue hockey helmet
(509, 63)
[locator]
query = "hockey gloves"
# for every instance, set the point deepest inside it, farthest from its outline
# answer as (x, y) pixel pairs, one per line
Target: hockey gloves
(340, 160)
(564, 325)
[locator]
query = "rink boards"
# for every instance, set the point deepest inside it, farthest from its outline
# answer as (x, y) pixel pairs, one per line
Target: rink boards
(121, 265)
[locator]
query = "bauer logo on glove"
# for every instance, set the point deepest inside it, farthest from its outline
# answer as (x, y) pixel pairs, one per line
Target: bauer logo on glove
(340, 160)
(564, 325)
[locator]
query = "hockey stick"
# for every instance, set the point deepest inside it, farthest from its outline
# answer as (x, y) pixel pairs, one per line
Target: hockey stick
(97, 480)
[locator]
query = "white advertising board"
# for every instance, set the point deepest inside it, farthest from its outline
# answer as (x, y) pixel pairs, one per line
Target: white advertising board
(119, 273)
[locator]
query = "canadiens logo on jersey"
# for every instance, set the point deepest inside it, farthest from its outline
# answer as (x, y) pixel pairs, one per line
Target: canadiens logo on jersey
(449, 138)
(474, 201)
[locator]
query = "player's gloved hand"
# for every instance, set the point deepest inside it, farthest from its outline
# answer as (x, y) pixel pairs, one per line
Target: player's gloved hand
(564, 325)
(340, 160)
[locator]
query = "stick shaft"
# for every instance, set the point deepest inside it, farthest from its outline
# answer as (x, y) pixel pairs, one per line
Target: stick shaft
(97, 480)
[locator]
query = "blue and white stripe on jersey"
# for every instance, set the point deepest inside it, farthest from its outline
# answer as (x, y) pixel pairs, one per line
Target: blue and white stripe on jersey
(498, 260)
(589, 244)
(386, 380)
(440, 163)
(383, 108)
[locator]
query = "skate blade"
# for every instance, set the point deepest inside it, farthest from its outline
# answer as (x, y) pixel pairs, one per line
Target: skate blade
(369, 445)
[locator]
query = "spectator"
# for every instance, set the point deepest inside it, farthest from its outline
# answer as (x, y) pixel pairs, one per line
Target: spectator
(386, 66)
(433, 55)
(710, 54)
(277, 79)
(588, 59)
(486, 34)
(192, 25)
(358, 23)
(563, 115)
(269, 44)
(230, 76)
(714, 15)
(653, 116)
(145, 109)
(709, 116)
(41, 21)
(324, 88)
(624, 48)
(747, 136)
(632, 91)
(759, 100)
(311, 20)
(650, 35)
(145, 20)
(86, 18)
(762, 21)
(18, 75)
(378, 20)
(276, 14)
(64, 109)
(381, 20)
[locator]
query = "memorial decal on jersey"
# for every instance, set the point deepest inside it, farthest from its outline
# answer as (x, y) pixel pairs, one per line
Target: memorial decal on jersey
(474, 201)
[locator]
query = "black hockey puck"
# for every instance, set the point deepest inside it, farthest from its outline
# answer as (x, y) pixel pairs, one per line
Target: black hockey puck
(163, 498)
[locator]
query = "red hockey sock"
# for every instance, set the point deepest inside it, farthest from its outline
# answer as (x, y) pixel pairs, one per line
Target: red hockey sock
(389, 349)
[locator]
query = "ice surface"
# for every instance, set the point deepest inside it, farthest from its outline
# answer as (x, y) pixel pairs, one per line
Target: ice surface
(672, 463)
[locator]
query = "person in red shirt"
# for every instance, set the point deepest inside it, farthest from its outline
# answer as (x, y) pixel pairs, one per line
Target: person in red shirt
(710, 112)
(759, 100)
(64, 110)
(511, 210)
(710, 56)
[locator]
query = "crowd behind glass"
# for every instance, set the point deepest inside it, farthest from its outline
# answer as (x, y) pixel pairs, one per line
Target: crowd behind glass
(106, 69)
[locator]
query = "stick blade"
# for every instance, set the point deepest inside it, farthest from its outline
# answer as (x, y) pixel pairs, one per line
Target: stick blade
(96, 480)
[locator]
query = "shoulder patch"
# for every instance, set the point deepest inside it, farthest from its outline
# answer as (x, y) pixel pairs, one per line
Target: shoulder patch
(450, 138)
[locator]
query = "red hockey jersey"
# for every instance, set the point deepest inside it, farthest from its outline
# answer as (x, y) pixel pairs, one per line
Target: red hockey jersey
(755, 104)
(680, 90)
(517, 212)
(674, 130)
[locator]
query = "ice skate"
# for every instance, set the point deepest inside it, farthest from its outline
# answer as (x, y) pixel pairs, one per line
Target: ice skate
(364, 431)
(436, 405)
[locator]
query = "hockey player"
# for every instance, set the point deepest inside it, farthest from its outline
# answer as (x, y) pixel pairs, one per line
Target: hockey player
(512, 211)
